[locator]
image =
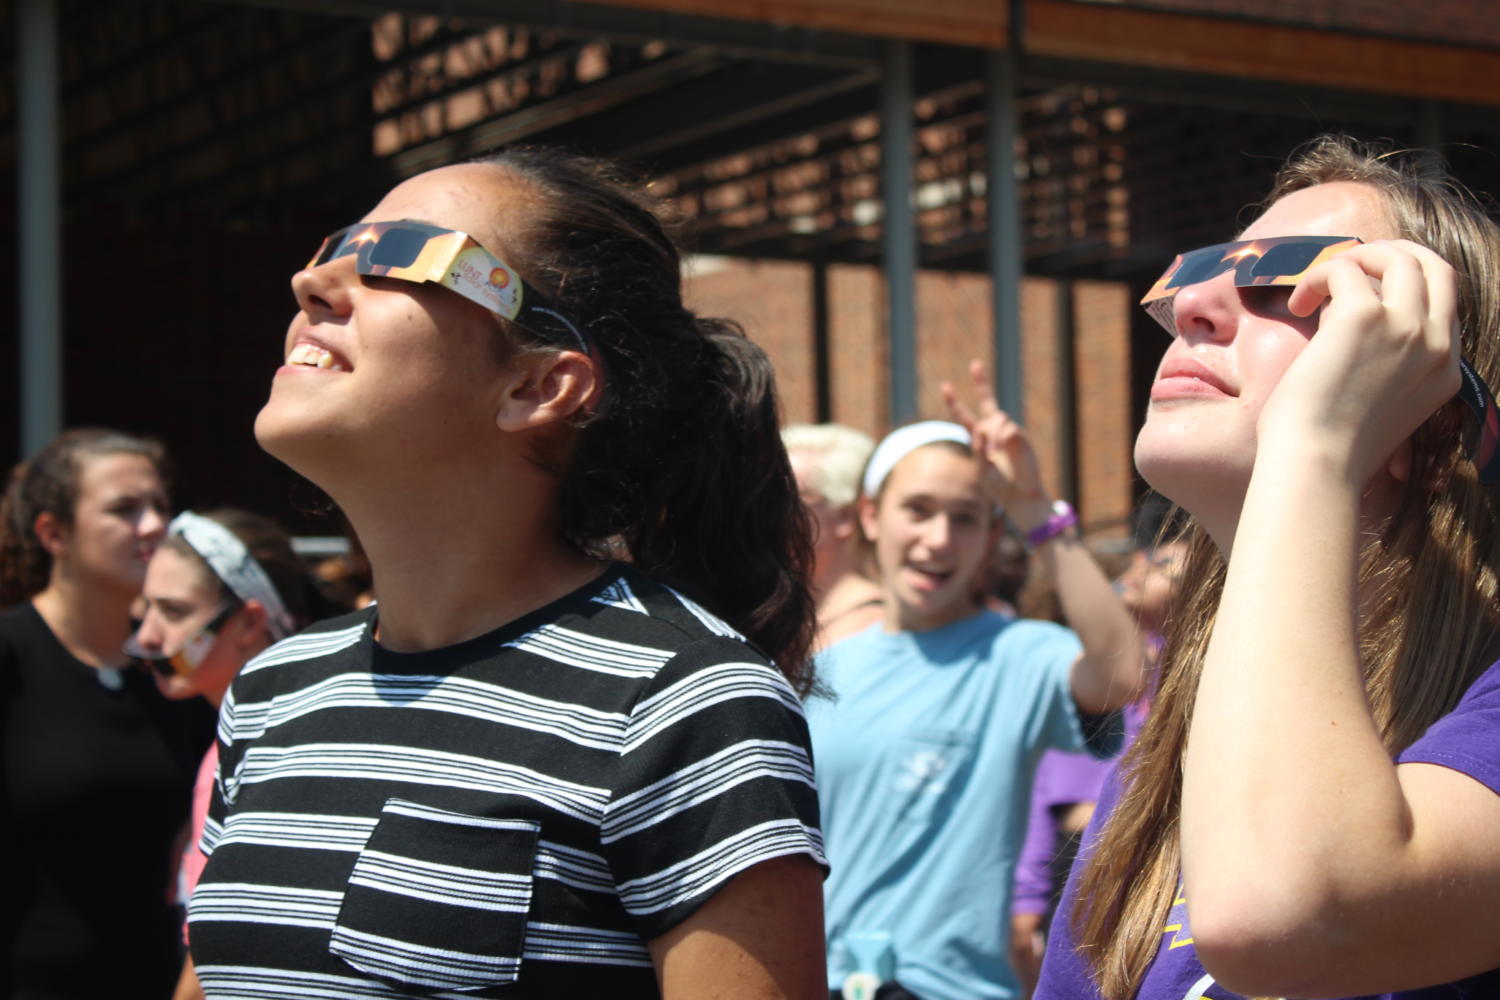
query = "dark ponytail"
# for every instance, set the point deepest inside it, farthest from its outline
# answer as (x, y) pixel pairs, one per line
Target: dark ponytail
(48, 483)
(683, 465)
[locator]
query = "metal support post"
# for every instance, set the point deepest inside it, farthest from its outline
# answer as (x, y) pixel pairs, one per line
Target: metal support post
(899, 230)
(1004, 236)
(39, 233)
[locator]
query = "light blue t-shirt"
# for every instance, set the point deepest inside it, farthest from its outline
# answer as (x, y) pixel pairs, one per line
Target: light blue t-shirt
(924, 756)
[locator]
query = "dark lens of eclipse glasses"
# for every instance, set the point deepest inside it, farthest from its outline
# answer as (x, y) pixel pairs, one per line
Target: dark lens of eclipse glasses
(1200, 265)
(1286, 258)
(397, 248)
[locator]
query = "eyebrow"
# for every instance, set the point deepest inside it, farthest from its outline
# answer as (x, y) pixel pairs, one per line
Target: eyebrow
(964, 504)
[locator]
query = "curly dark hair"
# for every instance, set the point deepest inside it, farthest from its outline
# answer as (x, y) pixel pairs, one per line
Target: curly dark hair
(681, 469)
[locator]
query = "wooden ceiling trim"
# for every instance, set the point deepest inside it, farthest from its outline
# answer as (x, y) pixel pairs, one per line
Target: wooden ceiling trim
(981, 23)
(1227, 47)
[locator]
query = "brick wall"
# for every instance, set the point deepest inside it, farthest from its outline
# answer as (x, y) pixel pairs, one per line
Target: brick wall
(1101, 350)
(774, 302)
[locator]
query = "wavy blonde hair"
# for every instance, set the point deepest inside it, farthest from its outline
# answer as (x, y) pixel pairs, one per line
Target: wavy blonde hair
(1427, 579)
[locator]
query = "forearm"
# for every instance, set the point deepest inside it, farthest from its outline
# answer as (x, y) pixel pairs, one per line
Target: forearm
(1291, 810)
(1110, 672)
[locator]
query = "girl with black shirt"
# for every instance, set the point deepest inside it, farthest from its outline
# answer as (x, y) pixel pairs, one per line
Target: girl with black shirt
(97, 768)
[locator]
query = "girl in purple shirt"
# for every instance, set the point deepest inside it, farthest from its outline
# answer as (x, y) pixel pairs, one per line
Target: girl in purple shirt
(1313, 807)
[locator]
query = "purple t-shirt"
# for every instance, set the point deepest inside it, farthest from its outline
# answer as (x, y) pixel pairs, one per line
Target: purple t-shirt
(1466, 739)
(1062, 778)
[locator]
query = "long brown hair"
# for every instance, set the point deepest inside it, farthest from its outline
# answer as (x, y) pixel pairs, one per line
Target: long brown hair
(682, 467)
(1427, 580)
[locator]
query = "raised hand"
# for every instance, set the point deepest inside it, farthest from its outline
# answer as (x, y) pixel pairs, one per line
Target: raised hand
(1012, 474)
(1383, 360)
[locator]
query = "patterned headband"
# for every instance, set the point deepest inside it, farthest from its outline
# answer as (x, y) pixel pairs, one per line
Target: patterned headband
(232, 563)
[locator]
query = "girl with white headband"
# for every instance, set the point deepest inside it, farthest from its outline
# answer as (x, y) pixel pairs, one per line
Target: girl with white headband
(220, 588)
(926, 753)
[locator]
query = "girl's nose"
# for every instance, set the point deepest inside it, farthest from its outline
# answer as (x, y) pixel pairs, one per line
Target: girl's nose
(152, 524)
(1208, 310)
(939, 533)
(323, 292)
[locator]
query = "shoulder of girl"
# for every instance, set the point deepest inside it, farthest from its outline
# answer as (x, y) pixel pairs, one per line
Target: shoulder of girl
(1031, 632)
(1486, 687)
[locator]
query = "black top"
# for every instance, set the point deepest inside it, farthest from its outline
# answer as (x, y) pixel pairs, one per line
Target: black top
(95, 786)
(513, 816)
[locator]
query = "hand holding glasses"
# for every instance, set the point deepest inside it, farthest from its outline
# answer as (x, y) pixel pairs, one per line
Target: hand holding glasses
(1283, 261)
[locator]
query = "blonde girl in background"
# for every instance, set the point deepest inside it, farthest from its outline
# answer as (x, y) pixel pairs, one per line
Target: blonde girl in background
(1313, 806)
(828, 460)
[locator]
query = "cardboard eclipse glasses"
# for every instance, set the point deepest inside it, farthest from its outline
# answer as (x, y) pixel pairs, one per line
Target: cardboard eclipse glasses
(191, 655)
(1283, 261)
(417, 252)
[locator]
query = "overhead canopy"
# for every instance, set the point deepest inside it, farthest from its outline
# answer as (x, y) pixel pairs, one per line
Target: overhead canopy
(1143, 128)
(1137, 124)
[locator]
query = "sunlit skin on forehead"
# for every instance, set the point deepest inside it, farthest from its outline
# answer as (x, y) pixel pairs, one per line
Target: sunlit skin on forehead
(470, 198)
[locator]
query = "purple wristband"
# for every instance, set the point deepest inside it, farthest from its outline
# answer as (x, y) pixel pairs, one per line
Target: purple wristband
(1062, 518)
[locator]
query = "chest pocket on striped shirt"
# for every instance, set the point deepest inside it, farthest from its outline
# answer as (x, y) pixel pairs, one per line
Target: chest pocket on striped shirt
(438, 899)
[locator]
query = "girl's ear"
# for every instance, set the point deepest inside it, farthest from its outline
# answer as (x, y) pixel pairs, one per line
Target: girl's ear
(868, 511)
(549, 388)
(846, 522)
(51, 532)
(249, 625)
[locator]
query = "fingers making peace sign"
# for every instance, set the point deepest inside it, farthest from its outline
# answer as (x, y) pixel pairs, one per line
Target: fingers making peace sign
(1012, 474)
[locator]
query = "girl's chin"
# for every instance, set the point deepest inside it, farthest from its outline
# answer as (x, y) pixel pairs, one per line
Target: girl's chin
(927, 610)
(1192, 474)
(299, 440)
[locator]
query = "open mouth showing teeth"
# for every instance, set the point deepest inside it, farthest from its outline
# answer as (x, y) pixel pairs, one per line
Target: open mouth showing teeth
(313, 356)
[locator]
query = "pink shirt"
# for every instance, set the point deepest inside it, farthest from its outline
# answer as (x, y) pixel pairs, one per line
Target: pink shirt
(194, 859)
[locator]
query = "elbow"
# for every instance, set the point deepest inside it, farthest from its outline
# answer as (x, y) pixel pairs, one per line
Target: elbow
(1240, 958)
(1259, 943)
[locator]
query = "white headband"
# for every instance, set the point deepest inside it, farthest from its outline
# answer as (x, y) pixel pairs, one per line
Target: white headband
(232, 563)
(902, 442)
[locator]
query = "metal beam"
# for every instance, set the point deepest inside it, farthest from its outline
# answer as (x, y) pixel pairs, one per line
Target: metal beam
(744, 39)
(39, 234)
(898, 230)
(575, 105)
(1180, 90)
(1004, 231)
(1066, 381)
(822, 352)
(772, 102)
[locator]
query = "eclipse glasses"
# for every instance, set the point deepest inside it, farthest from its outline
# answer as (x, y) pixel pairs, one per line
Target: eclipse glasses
(1282, 261)
(191, 655)
(415, 251)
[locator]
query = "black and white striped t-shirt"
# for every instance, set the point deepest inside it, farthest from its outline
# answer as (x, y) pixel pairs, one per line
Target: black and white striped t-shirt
(512, 816)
